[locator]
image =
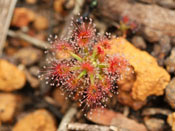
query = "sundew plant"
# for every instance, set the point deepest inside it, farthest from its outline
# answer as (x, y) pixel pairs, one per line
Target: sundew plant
(81, 66)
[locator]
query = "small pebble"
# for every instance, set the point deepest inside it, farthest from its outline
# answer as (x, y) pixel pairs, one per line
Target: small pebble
(34, 82)
(34, 70)
(152, 35)
(171, 120)
(28, 56)
(41, 23)
(139, 42)
(69, 4)
(162, 49)
(22, 17)
(165, 44)
(156, 50)
(170, 62)
(155, 111)
(154, 124)
(170, 93)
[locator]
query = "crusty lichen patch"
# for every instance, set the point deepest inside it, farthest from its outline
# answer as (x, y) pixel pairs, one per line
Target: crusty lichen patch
(151, 79)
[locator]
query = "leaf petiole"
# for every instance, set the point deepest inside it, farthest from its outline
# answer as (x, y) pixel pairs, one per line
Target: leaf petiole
(76, 56)
(81, 74)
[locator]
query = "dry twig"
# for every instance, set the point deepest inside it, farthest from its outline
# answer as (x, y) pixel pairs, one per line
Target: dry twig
(6, 12)
(126, 111)
(67, 118)
(32, 40)
(76, 11)
(87, 127)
